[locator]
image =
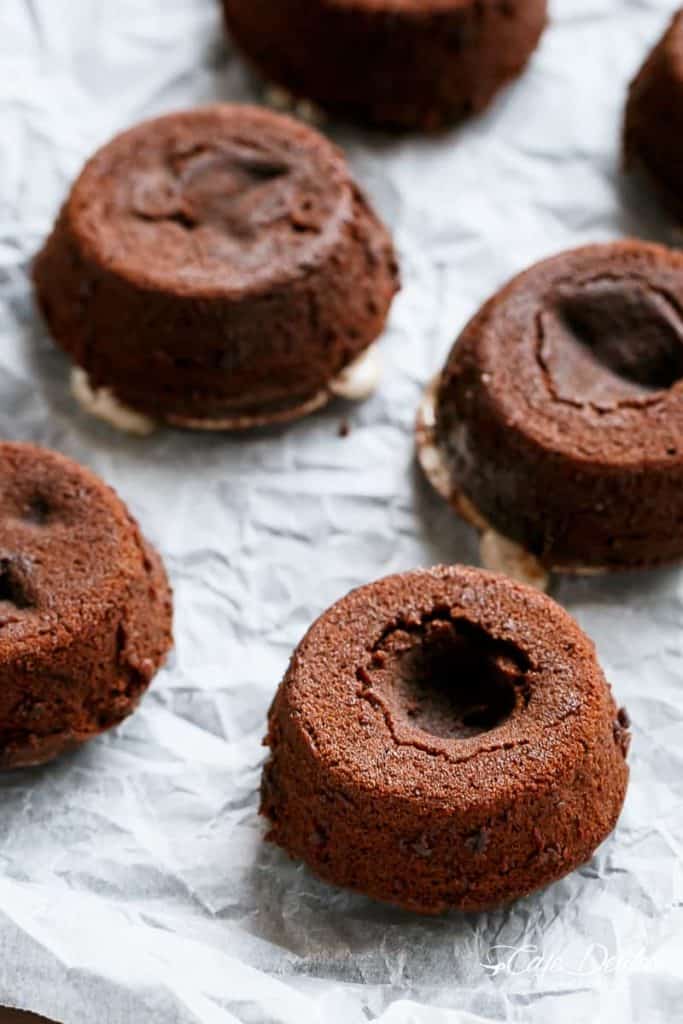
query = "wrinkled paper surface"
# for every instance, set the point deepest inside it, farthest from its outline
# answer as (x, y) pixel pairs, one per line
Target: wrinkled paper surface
(134, 883)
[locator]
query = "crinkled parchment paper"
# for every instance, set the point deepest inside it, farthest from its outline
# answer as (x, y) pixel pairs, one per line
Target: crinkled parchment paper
(134, 883)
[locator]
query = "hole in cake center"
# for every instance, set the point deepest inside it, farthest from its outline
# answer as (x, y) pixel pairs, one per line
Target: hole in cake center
(452, 681)
(13, 584)
(609, 341)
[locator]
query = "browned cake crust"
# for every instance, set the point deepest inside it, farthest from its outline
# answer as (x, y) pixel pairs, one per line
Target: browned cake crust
(396, 63)
(653, 126)
(216, 264)
(85, 607)
(444, 739)
(560, 408)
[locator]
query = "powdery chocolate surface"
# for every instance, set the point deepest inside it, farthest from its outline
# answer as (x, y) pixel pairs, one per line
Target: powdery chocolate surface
(560, 408)
(216, 265)
(444, 738)
(85, 607)
(653, 124)
(395, 63)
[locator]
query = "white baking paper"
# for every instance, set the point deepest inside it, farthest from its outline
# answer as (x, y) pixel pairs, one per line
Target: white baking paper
(134, 883)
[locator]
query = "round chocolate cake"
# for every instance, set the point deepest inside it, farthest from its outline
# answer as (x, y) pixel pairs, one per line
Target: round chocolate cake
(217, 268)
(444, 739)
(85, 607)
(396, 63)
(653, 129)
(559, 414)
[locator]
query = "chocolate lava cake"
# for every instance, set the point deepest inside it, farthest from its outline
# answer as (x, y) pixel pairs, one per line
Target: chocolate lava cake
(444, 739)
(559, 415)
(217, 268)
(653, 129)
(396, 63)
(85, 607)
